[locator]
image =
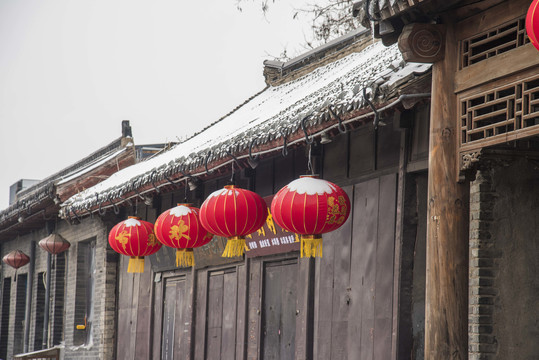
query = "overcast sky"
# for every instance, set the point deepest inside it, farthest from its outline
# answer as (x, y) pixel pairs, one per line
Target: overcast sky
(72, 70)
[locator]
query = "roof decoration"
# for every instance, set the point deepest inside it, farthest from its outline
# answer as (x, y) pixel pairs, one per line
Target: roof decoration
(274, 113)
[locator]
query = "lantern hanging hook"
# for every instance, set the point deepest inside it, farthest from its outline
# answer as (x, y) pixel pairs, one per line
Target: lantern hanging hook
(308, 140)
(152, 177)
(129, 202)
(114, 206)
(208, 154)
(76, 215)
(285, 144)
(99, 209)
(253, 158)
(87, 208)
(340, 126)
(374, 110)
(169, 180)
(135, 189)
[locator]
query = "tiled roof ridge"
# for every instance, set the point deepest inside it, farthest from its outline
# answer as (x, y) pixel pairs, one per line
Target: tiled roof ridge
(45, 188)
(228, 114)
(338, 85)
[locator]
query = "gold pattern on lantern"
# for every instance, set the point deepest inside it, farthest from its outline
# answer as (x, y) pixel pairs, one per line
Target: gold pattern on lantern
(123, 238)
(152, 240)
(336, 210)
(179, 231)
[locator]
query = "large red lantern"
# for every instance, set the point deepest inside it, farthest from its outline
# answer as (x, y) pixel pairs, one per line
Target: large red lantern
(16, 259)
(54, 244)
(310, 207)
(180, 228)
(134, 237)
(233, 212)
(532, 23)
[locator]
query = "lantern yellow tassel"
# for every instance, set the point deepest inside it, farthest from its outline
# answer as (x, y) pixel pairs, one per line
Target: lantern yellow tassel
(185, 258)
(311, 246)
(136, 264)
(235, 246)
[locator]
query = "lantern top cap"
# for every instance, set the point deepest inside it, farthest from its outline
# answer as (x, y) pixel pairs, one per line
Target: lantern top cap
(314, 176)
(133, 217)
(230, 187)
(184, 204)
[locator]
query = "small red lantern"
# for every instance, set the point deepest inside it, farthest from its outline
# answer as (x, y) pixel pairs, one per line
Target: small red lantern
(16, 259)
(532, 23)
(54, 244)
(180, 228)
(310, 207)
(233, 212)
(134, 237)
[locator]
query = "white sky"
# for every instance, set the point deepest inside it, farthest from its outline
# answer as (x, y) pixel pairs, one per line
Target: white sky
(72, 70)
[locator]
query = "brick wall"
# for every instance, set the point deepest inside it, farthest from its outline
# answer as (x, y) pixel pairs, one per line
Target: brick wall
(62, 317)
(504, 259)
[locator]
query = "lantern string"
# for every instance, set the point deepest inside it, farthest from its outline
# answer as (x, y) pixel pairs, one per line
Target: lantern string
(232, 175)
(185, 191)
(309, 161)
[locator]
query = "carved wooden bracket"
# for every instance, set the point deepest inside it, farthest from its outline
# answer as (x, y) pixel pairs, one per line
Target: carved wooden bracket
(423, 43)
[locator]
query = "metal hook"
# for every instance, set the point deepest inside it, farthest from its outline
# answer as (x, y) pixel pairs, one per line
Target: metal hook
(229, 152)
(138, 194)
(169, 180)
(102, 213)
(76, 215)
(340, 126)
(114, 206)
(285, 144)
(87, 208)
(304, 127)
(153, 181)
(208, 154)
(253, 158)
(374, 110)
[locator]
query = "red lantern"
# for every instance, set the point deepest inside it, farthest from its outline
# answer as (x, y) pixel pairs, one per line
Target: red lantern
(134, 237)
(310, 207)
(180, 228)
(532, 23)
(16, 259)
(233, 212)
(54, 244)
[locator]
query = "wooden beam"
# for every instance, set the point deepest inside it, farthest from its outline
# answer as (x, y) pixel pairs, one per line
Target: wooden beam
(497, 67)
(446, 308)
(423, 43)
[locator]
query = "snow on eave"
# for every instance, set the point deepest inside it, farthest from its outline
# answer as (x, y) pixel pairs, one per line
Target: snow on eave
(89, 167)
(269, 115)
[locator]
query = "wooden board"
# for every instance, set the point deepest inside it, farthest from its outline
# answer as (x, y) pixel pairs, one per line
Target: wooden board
(279, 310)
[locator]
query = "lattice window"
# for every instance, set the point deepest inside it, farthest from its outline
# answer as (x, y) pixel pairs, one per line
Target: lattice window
(493, 42)
(500, 113)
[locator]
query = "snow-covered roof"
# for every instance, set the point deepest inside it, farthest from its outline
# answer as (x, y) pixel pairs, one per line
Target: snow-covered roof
(274, 112)
(367, 10)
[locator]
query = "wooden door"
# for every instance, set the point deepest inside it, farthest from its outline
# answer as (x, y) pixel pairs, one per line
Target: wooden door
(221, 314)
(354, 279)
(279, 310)
(173, 322)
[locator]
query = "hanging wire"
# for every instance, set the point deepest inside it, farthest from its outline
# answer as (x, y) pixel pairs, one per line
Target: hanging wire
(308, 140)
(232, 180)
(309, 161)
(185, 191)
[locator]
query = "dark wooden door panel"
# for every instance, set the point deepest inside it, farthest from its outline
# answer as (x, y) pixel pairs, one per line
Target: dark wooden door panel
(279, 310)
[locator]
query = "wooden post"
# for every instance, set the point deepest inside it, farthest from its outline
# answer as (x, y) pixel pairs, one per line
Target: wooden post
(446, 305)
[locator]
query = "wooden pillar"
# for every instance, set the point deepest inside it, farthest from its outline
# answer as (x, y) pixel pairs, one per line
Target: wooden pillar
(446, 308)
(446, 302)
